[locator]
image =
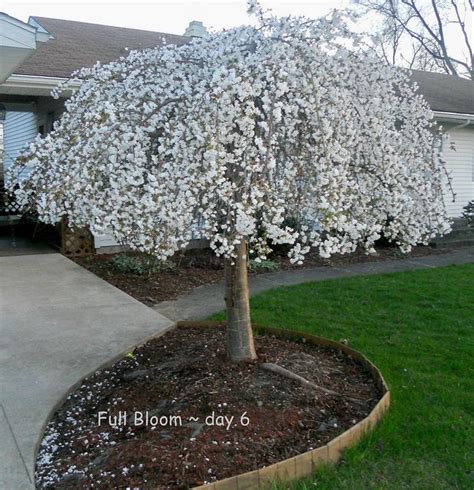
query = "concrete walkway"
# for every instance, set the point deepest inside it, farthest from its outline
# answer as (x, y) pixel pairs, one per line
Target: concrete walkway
(206, 300)
(58, 322)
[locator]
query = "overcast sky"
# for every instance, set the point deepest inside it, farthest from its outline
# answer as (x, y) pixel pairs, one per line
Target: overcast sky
(161, 15)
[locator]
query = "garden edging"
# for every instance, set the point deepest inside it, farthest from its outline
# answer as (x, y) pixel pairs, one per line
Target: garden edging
(305, 464)
(297, 467)
(78, 383)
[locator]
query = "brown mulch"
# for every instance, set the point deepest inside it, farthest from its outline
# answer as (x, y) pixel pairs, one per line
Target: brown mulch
(198, 267)
(191, 269)
(186, 374)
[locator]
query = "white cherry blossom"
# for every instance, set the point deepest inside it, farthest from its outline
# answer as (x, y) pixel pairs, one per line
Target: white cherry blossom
(285, 132)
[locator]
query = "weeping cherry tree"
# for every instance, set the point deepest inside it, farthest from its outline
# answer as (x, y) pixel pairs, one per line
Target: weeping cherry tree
(287, 132)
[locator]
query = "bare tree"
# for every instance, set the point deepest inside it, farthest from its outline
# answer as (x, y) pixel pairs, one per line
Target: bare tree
(429, 34)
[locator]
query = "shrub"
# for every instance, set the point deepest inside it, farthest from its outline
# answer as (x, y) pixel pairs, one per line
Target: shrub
(468, 213)
(142, 265)
(263, 265)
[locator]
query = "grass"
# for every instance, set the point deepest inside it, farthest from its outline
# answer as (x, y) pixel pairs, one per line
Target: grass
(418, 328)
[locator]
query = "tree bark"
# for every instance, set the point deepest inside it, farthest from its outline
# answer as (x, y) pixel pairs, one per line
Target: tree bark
(240, 343)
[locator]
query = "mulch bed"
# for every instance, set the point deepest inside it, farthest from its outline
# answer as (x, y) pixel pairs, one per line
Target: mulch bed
(186, 374)
(198, 267)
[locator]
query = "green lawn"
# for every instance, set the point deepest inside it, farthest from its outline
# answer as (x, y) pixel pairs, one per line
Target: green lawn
(418, 328)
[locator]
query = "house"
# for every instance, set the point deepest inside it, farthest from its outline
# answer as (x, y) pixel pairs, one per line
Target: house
(35, 56)
(452, 101)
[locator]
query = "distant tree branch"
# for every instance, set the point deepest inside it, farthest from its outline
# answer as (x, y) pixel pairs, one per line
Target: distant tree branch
(425, 23)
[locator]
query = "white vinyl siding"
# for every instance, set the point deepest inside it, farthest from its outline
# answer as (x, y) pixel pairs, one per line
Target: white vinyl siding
(20, 129)
(106, 240)
(460, 164)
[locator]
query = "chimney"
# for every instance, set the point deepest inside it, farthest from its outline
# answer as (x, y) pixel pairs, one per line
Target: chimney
(196, 29)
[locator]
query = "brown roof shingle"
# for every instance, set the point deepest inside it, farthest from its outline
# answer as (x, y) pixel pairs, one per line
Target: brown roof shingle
(80, 44)
(446, 93)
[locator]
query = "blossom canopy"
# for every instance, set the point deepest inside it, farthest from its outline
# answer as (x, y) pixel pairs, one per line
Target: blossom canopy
(284, 132)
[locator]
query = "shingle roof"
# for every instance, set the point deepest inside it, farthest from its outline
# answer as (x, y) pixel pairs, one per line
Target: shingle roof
(446, 93)
(79, 44)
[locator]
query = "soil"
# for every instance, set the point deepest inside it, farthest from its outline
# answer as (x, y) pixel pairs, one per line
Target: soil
(198, 267)
(185, 374)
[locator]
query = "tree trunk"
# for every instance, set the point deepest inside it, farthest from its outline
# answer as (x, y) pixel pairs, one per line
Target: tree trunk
(240, 343)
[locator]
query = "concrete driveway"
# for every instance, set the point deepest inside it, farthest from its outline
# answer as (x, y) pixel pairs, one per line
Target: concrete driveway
(58, 322)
